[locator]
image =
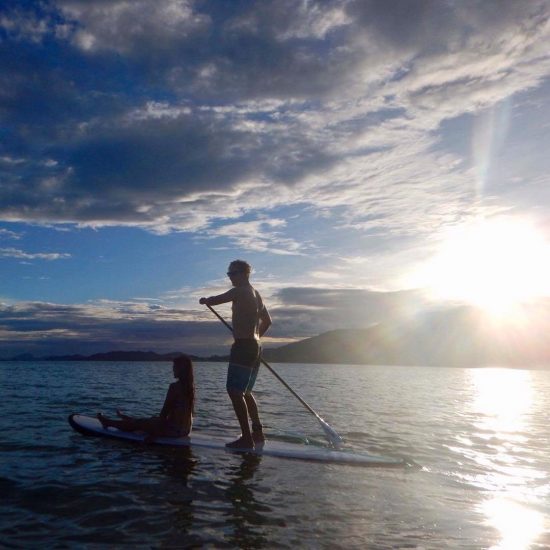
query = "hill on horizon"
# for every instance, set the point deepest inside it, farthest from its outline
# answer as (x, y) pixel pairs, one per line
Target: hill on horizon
(462, 336)
(130, 355)
(459, 337)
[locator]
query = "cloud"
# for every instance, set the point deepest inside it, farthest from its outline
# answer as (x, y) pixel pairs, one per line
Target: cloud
(312, 310)
(240, 50)
(122, 26)
(46, 328)
(298, 312)
(20, 254)
(259, 236)
(201, 112)
(22, 25)
(7, 234)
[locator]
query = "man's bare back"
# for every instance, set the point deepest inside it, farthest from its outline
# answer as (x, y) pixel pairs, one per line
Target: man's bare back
(247, 308)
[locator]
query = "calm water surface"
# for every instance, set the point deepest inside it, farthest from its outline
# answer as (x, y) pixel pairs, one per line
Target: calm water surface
(481, 437)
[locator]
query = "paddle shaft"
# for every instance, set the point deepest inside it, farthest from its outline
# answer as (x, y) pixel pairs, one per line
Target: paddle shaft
(323, 422)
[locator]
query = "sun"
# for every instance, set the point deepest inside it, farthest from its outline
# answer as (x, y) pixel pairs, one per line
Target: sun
(495, 265)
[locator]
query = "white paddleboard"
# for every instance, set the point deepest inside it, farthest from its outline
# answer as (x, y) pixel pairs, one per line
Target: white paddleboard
(92, 426)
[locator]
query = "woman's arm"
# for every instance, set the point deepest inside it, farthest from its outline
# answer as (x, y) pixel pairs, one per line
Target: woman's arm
(187, 423)
(168, 403)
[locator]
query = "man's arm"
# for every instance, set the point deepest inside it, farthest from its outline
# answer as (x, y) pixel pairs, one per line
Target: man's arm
(265, 321)
(228, 296)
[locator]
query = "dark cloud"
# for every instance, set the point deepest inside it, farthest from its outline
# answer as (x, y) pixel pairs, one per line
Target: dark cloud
(118, 173)
(43, 329)
(405, 25)
(228, 51)
(186, 153)
(433, 26)
(306, 311)
(168, 114)
(85, 151)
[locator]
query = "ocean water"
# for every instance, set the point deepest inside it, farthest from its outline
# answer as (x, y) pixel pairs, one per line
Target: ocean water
(481, 438)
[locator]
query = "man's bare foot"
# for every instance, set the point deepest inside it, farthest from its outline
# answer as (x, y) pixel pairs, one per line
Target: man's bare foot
(241, 443)
(258, 437)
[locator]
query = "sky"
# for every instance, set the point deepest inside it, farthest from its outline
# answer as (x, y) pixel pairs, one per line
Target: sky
(370, 159)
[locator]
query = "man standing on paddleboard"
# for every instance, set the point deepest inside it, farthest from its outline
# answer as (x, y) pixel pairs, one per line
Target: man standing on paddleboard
(250, 322)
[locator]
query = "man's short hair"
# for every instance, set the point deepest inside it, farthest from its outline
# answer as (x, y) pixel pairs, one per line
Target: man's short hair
(241, 265)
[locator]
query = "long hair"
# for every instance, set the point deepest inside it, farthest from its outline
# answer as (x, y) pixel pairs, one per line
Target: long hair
(184, 373)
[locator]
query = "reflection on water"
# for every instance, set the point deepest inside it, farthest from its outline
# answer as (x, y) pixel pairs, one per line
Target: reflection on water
(502, 398)
(518, 525)
(502, 403)
(246, 513)
(482, 436)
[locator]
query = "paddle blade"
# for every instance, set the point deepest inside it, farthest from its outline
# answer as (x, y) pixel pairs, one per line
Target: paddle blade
(335, 440)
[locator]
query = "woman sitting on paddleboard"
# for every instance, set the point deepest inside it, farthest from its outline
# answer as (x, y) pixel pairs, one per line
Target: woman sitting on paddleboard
(176, 416)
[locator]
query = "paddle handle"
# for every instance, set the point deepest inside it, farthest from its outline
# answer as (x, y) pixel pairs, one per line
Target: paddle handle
(220, 317)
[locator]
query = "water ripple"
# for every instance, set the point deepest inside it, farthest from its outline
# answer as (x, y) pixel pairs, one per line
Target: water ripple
(484, 462)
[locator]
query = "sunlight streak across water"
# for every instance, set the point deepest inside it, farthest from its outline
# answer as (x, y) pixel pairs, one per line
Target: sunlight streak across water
(503, 399)
(518, 525)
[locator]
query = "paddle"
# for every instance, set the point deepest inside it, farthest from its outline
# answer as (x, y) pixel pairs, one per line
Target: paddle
(334, 439)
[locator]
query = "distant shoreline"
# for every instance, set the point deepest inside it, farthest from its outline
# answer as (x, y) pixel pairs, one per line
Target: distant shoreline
(456, 340)
(115, 356)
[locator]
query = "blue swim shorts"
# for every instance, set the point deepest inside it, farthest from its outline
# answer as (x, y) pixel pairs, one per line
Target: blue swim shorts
(244, 363)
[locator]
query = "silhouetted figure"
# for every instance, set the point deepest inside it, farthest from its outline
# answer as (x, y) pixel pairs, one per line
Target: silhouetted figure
(176, 416)
(250, 322)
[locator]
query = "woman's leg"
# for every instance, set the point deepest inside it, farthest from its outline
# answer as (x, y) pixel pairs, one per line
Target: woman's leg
(150, 425)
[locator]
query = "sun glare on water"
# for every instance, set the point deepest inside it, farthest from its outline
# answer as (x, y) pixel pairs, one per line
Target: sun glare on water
(495, 265)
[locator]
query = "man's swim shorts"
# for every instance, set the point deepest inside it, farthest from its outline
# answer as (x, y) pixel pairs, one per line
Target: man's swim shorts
(244, 363)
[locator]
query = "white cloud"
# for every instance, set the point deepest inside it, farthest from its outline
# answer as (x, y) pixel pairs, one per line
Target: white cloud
(259, 236)
(7, 234)
(20, 254)
(125, 25)
(23, 26)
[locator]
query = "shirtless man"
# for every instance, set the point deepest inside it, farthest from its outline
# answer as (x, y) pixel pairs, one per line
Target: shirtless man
(250, 322)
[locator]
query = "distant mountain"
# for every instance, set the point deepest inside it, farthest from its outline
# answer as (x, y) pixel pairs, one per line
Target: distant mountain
(116, 356)
(23, 357)
(460, 337)
(133, 356)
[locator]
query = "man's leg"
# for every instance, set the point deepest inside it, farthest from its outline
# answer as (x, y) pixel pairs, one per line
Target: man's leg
(241, 376)
(252, 407)
(237, 380)
(257, 429)
(239, 405)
